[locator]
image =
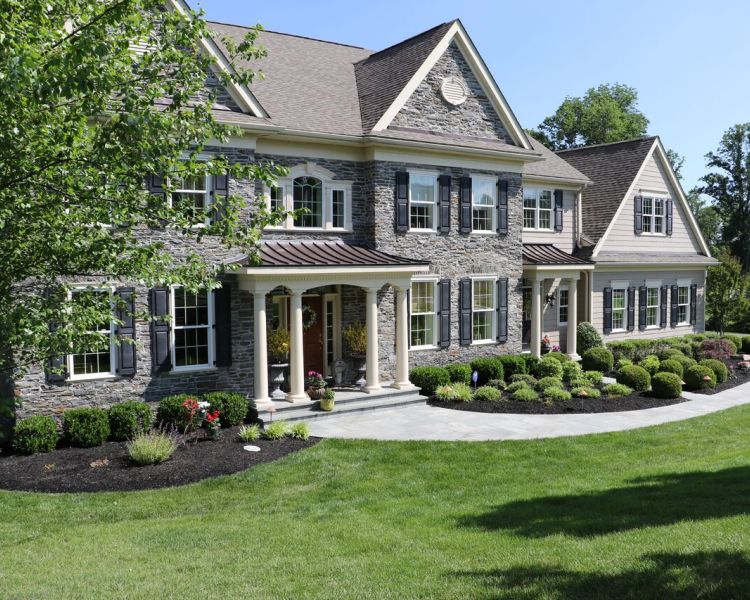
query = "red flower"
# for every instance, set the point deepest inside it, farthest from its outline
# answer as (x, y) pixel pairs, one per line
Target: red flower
(212, 416)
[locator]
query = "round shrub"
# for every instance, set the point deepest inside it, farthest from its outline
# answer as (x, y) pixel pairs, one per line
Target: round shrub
(585, 392)
(699, 377)
(128, 419)
(623, 362)
(598, 359)
(666, 385)
(746, 344)
(651, 364)
(670, 353)
(518, 385)
(718, 349)
(488, 394)
(548, 382)
(35, 434)
(685, 347)
(559, 357)
(593, 377)
(513, 364)
(532, 364)
(170, 414)
(580, 381)
(530, 379)
(86, 427)
(454, 392)
(587, 336)
(487, 367)
(232, 407)
(459, 373)
(571, 370)
(616, 390)
(718, 367)
(671, 366)
(634, 377)
(550, 367)
(498, 384)
(686, 362)
(428, 379)
(525, 395)
(555, 394)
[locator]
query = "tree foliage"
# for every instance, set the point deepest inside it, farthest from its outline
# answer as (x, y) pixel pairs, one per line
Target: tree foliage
(607, 113)
(727, 290)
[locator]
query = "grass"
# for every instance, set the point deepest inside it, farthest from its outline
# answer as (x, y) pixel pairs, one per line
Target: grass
(659, 513)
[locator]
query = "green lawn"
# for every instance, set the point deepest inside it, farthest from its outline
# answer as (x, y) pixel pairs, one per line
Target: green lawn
(655, 513)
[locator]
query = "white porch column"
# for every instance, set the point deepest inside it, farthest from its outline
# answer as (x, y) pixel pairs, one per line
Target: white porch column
(402, 341)
(373, 382)
(296, 353)
(572, 317)
(536, 317)
(260, 350)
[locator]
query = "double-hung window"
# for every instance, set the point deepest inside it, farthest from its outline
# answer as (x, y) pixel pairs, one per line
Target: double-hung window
(97, 360)
(483, 310)
(192, 329)
(683, 305)
(537, 208)
(483, 202)
(653, 215)
(619, 308)
(562, 306)
(653, 306)
(423, 314)
(422, 200)
(192, 196)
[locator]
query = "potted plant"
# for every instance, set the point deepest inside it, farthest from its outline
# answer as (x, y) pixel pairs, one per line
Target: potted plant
(545, 345)
(355, 341)
(315, 385)
(328, 400)
(278, 348)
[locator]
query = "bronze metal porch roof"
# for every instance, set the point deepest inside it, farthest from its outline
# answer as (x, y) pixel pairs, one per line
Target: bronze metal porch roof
(318, 253)
(549, 254)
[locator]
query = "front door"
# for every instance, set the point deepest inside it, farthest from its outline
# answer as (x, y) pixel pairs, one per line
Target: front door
(312, 320)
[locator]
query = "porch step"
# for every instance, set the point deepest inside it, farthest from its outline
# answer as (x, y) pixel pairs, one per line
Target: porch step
(310, 410)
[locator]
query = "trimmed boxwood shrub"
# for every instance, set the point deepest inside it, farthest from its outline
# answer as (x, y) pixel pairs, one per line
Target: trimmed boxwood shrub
(555, 394)
(550, 367)
(497, 384)
(685, 347)
(35, 434)
(232, 407)
(616, 390)
(718, 349)
(718, 367)
(532, 364)
(666, 385)
(571, 370)
(585, 392)
(487, 367)
(634, 377)
(517, 385)
(128, 419)
(623, 362)
(559, 357)
(587, 336)
(428, 379)
(454, 392)
(671, 366)
(170, 414)
(598, 359)
(488, 394)
(686, 362)
(548, 382)
(746, 344)
(525, 395)
(86, 427)
(593, 377)
(530, 379)
(459, 373)
(651, 364)
(699, 377)
(513, 364)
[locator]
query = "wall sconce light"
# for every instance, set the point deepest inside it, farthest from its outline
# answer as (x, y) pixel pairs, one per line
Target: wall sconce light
(550, 299)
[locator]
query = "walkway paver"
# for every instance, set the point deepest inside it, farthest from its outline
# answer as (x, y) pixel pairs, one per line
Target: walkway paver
(424, 422)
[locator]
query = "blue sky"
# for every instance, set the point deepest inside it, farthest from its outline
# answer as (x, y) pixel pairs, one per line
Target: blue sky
(688, 60)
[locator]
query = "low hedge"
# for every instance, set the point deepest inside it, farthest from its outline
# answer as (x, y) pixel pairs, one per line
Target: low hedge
(170, 413)
(634, 377)
(559, 357)
(666, 385)
(598, 359)
(232, 407)
(487, 368)
(651, 364)
(128, 419)
(550, 367)
(86, 427)
(428, 379)
(459, 373)
(672, 366)
(513, 364)
(718, 367)
(35, 434)
(699, 377)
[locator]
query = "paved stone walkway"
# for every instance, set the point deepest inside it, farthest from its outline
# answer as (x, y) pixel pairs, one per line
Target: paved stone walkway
(423, 422)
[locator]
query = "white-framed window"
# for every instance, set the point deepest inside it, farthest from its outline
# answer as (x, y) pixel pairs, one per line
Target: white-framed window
(653, 215)
(483, 203)
(537, 208)
(483, 307)
(653, 305)
(683, 303)
(99, 360)
(423, 325)
(191, 195)
(192, 329)
(619, 306)
(562, 306)
(279, 312)
(423, 194)
(307, 195)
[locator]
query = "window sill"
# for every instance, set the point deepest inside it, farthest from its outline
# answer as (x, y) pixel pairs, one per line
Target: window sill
(484, 342)
(647, 234)
(539, 230)
(195, 369)
(417, 348)
(309, 229)
(98, 377)
(619, 331)
(422, 231)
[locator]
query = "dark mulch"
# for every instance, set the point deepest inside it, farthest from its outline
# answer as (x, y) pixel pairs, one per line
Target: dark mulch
(739, 378)
(70, 470)
(635, 401)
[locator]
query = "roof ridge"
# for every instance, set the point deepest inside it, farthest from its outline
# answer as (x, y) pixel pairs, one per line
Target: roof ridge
(631, 140)
(404, 42)
(303, 37)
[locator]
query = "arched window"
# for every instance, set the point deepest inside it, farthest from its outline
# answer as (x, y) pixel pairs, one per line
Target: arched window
(308, 194)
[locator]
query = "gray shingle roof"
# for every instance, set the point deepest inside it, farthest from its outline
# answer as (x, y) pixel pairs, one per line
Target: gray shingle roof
(612, 169)
(552, 166)
(654, 258)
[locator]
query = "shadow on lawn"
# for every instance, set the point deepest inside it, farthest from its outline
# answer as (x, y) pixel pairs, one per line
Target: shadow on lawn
(653, 501)
(720, 575)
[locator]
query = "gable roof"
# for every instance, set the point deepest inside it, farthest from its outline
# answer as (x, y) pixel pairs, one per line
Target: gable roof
(552, 166)
(612, 168)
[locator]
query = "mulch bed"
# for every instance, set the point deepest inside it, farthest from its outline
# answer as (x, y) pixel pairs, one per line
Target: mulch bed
(740, 377)
(635, 401)
(70, 470)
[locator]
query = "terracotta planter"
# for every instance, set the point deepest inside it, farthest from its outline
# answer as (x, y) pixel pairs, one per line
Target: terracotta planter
(315, 393)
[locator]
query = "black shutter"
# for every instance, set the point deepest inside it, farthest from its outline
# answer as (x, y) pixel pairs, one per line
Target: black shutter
(444, 205)
(58, 364)
(674, 306)
(502, 206)
(445, 312)
(465, 214)
(502, 309)
(693, 303)
(402, 201)
(638, 214)
(642, 301)
(158, 198)
(663, 305)
(670, 218)
(155, 184)
(126, 351)
(607, 297)
(465, 312)
(161, 351)
(220, 193)
(631, 308)
(558, 210)
(223, 326)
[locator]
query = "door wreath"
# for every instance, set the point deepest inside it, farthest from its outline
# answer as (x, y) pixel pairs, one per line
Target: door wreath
(309, 317)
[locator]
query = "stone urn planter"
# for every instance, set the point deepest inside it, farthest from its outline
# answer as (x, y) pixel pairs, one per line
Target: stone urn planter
(361, 366)
(277, 380)
(355, 341)
(316, 393)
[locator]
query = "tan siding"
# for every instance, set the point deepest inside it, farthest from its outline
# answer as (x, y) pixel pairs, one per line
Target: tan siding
(603, 279)
(564, 239)
(622, 237)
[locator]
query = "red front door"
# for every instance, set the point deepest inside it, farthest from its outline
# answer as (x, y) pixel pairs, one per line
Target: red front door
(312, 319)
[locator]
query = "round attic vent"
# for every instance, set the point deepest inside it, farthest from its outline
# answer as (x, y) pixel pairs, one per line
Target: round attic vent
(454, 91)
